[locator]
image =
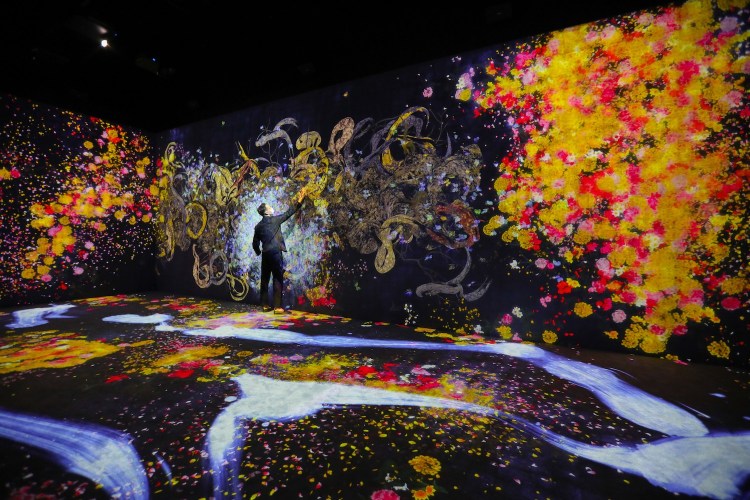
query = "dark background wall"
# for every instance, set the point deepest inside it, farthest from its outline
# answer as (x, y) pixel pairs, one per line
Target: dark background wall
(584, 188)
(75, 205)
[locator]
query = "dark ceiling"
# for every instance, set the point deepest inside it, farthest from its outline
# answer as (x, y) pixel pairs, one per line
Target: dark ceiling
(172, 62)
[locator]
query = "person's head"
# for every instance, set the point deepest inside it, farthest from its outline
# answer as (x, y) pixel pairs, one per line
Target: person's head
(265, 209)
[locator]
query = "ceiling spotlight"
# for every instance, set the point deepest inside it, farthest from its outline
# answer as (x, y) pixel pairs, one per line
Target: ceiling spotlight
(104, 43)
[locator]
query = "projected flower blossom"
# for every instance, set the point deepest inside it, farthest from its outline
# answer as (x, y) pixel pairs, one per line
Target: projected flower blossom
(628, 151)
(77, 199)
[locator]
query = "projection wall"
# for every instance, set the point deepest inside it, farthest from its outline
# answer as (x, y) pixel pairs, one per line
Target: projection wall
(76, 203)
(585, 188)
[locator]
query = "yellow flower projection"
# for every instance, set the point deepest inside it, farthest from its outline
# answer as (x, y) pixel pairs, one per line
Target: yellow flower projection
(107, 179)
(549, 336)
(425, 465)
(629, 153)
(50, 349)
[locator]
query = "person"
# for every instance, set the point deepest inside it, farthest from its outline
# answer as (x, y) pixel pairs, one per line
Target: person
(268, 236)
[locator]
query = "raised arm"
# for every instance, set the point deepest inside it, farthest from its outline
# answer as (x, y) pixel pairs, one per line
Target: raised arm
(283, 217)
(298, 198)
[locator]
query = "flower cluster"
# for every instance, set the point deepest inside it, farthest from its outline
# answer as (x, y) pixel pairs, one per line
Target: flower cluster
(631, 152)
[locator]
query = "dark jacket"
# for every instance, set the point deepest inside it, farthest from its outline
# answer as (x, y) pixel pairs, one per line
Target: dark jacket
(268, 232)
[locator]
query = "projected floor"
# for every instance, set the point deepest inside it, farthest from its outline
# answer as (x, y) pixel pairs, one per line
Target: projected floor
(158, 396)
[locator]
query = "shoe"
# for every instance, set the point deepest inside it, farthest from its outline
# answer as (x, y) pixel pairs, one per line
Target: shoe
(279, 310)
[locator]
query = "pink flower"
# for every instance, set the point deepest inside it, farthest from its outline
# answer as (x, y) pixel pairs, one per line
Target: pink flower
(680, 330)
(384, 495)
(420, 371)
(608, 32)
(728, 24)
(646, 18)
(618, 316)
(541, 263)
(734, 98)
(426, 93)
(507, 319)
(523, 58)
(603, 264)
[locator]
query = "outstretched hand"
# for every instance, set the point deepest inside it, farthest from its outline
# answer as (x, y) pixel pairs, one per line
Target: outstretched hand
(301, 194)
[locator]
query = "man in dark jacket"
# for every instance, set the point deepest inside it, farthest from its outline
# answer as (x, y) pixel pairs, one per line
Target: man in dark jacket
(268, 233)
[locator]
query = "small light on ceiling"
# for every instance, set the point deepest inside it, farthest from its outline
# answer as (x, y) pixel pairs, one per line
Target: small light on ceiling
(104, 43)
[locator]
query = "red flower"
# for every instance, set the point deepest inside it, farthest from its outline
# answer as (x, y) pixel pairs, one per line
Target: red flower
(731, 303)
(680, 330)
(324, 301)
(115, 378)
(364, 371)
(688, 69)
(605, 304)
(657, 330)
(181, 373)
(563, 287)
(426, 382)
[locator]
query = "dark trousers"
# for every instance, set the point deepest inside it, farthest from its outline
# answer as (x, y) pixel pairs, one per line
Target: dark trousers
(272, 263)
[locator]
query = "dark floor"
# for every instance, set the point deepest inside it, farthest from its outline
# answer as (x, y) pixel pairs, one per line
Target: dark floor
(154, 395)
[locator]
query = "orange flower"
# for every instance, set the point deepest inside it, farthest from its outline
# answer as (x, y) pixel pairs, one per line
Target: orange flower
(425, 465)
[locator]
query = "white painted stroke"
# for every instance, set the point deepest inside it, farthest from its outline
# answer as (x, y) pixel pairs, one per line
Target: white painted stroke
(138, 319)
(266, 399)
(102, 455)
(627, 401)
(712, 466)
(37, 316)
